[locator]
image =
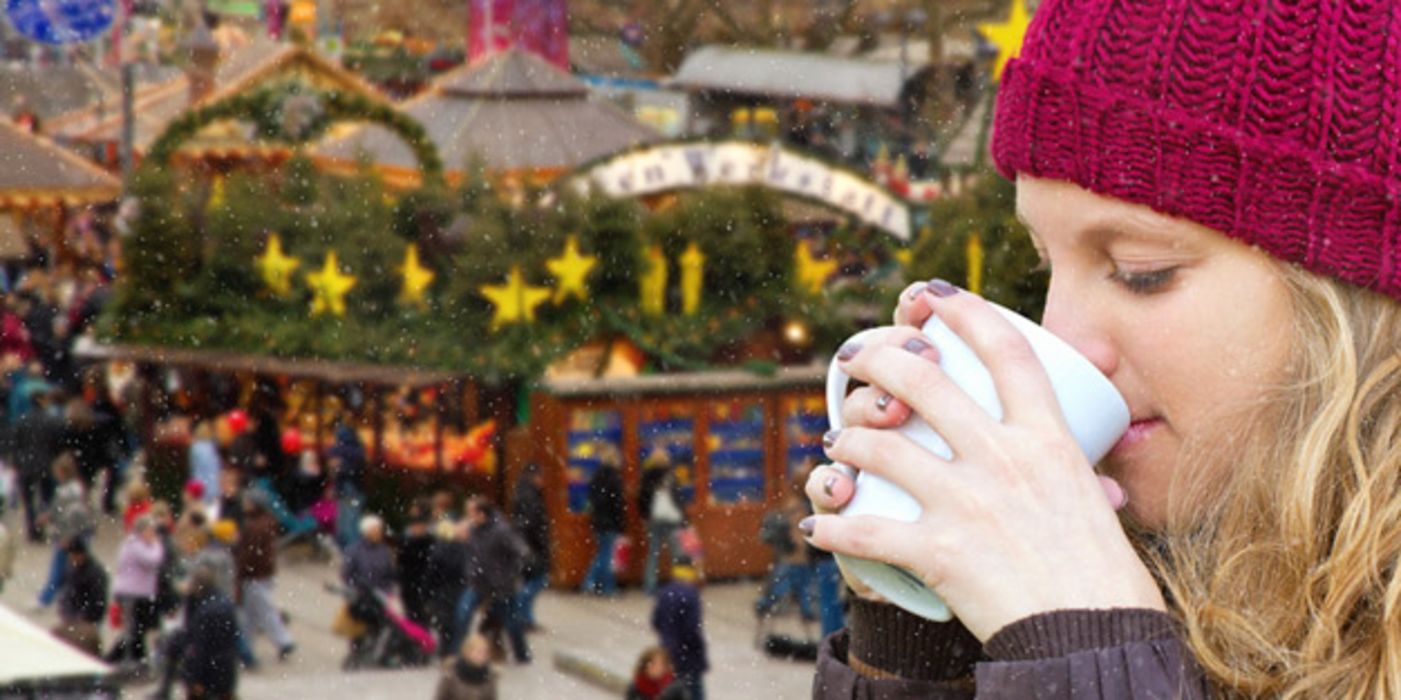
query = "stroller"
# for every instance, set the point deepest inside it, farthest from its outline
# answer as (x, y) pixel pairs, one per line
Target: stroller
(380, 635)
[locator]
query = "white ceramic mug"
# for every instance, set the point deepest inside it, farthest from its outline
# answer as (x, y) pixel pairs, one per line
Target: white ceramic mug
(1094, 411)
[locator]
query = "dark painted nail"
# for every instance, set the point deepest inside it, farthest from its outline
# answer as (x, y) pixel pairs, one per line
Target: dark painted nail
(918, 346)
(806, 525)
(828, 485)
(848, 351)
(914, 291)
(830, 438)
(940, 288)
(883, 401)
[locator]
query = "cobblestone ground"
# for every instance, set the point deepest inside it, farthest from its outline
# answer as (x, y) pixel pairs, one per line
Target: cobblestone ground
(603, 635)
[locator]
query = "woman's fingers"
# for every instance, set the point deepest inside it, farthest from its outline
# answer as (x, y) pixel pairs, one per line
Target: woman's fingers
(892, 456)
(873, 408)
(1023, 387)
(829, 489)
(870, 537)
(915, 306)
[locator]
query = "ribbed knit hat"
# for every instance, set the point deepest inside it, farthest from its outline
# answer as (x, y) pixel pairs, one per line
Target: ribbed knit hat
(1274, 122)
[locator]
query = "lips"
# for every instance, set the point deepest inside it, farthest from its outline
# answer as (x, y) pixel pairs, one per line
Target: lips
(1138, 431)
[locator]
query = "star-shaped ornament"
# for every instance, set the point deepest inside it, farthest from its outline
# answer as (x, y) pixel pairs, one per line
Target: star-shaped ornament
(276, 268)
(571, 271)
(1007, 36)
(329, 287)
(812, 273)
(692, 278)
(416, 279)
(515, 301)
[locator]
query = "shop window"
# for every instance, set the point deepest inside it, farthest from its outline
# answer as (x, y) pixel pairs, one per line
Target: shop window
(591, 434)
(736, 447)
(671, 427)
(804, 424)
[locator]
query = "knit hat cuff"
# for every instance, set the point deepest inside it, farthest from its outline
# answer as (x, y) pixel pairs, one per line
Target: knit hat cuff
(1333, 219)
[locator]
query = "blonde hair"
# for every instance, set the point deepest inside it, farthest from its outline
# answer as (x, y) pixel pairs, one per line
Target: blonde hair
(1288, 584)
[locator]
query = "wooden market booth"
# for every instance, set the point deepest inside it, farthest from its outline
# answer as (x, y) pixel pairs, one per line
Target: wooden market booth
(39, 186)
(736, 439)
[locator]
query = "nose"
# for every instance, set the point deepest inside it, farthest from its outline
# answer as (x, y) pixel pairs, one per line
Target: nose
(1076, 319)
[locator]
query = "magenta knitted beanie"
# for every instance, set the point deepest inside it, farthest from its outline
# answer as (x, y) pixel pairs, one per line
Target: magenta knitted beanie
(1276, 122)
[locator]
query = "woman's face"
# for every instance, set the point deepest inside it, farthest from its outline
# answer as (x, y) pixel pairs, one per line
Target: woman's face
(1188, 324)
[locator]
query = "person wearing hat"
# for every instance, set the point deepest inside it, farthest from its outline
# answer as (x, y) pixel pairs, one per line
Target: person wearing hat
(676, 617)
(1216, 190)
(659, 501)
(606, 515)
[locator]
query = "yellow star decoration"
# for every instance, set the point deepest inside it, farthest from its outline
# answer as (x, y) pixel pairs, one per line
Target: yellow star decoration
(416, 278)
(515, 301)
(276, 268)
(692, 277)
(652, 284)
(571, 271)
(974, 252)
(329, 287)
(217, 196)
(812, 273)
(1007, 36)
(904, 256)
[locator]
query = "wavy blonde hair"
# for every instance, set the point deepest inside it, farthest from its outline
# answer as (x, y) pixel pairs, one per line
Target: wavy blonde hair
(1288, 584)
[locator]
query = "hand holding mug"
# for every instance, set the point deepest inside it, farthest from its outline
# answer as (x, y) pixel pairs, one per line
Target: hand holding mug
(991, 503)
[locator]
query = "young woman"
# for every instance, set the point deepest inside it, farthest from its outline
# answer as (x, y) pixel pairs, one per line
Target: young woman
(1217, 192)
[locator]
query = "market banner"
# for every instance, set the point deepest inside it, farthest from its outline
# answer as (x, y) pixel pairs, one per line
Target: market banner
(693, 165)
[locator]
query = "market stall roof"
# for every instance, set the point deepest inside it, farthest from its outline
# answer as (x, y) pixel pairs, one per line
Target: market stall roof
(713, 381)
(32, 656)
(49, 91)
(794, 74)
(513, 109)
(220, 360)
(260, 62)
(36, 171)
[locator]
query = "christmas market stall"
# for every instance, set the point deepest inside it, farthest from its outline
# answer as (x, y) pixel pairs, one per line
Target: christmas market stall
(41, 185)
(737, 441)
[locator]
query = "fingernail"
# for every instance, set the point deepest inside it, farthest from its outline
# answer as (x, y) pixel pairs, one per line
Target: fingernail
(940, 288)
(806, 525)
(828, 485)
(918, 346)
(913, 292)
(830, 438)
(848, 351)
(883, 401)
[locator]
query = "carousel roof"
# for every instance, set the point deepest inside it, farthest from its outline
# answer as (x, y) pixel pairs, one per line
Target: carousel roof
(245, 68)
(34, 169)
(514, 110)
(794, 74)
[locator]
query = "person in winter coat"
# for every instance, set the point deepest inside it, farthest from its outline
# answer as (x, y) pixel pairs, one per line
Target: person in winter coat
(209, 658)
(369, 563)
(654, 679)
(606, 514)
(493, 576)
(468, 675)
(1215, 193)
(415, 551)
(36, 440)
(205, 462)
(448, 561)
(255, 556)
(659, 502)
(82, 603)
(347, 463)
(532, 521)
(67, 518)
(138, 572)
(676, 617)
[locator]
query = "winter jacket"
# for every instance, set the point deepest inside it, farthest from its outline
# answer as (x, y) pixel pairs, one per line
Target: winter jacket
(532, 521)
(211, 653)
(349, 455)
(447, 575)
(138, 567)
(255, 554)
(369, 565)
(497, 555)
(36, 439)
(204, 468)
(216, 559)
(677, 620)
(654, 479)
(69, 515)
(606, 507)
(1062, 655)
(84, 595)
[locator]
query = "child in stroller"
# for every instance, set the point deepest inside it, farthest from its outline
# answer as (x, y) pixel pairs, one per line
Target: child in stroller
(380, 635)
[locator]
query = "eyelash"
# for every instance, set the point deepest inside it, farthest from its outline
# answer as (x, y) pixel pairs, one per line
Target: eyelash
(1147, 282)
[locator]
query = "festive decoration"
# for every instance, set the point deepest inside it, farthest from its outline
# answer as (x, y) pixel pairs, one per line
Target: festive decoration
(571, 271)
(1007, 36)
(291, 441)
(974, 251)
(692, 278)
(811, 272)
(515, 301)
(329, 287)
(217, 197)
(652, 283)
(416, 279)
(276, 268)
(237, 421)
